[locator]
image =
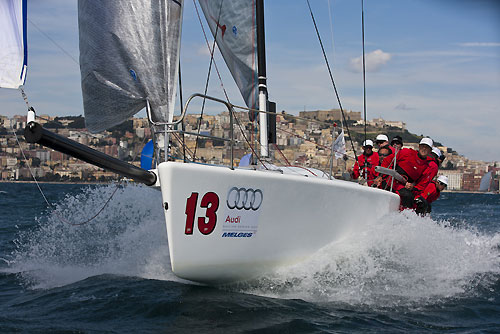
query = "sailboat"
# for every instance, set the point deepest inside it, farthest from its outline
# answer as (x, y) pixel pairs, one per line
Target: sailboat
(223, 223)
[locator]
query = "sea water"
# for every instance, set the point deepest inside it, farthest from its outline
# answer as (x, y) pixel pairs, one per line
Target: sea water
(404, 273)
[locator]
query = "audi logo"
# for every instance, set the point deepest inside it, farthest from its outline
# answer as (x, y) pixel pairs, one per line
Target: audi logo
(242, 198)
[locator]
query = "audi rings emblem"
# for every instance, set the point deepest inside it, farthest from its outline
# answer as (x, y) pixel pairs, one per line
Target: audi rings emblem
(242, 198)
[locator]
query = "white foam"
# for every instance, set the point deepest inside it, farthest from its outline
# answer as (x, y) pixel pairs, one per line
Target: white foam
(128, 238)
(401, 259)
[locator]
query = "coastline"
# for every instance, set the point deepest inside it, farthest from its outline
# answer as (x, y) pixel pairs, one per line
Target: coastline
(54, 182)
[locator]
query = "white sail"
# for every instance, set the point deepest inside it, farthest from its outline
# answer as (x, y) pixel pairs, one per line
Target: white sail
(14, 52)
(129, 54)
(235, 24)
(485, 182)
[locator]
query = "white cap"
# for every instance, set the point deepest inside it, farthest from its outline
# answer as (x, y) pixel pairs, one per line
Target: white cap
(368, 142)
(437, 151)
(427, 141)
(382, 137)
(443, 179)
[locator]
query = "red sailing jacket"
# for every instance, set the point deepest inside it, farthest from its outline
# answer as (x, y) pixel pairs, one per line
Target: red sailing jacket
(431, 192)
(372, 161)
(429, 173)
(411, 166)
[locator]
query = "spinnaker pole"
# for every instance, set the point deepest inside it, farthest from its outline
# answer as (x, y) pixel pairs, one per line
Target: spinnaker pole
(35, 133)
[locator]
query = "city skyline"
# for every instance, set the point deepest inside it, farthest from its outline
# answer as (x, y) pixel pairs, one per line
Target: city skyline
(434, 65)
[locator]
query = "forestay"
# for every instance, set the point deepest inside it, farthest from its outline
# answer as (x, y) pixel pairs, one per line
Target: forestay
(234, 22)
(13, 48)
(129, 54)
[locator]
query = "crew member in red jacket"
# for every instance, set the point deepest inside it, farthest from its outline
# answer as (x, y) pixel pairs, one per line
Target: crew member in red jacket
(397, 143)
(412, 165)
(365, 165)
(430, 194)
(432, 171)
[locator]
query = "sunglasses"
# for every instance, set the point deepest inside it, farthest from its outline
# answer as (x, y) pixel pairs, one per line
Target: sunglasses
(383, 155)
(442, 184)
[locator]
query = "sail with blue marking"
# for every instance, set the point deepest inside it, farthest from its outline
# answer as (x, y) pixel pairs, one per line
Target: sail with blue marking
(234, 25)
(14, 50)
(129, 55)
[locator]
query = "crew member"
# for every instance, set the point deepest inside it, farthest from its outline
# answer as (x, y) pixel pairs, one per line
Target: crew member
(397, 143)
(411, 164)
(381, 141)
(434, 165)
(436, 154)
(383, 152)
(430, 194)
(365, 165)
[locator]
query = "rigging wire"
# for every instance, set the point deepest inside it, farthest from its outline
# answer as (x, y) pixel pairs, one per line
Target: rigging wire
(224, 89)
(25, 98)
(47, 201)
(54, 42)
(331, 77)
(308, 140)
(212, 51)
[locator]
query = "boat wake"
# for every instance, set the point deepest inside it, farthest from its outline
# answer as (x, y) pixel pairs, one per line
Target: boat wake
(401, 259)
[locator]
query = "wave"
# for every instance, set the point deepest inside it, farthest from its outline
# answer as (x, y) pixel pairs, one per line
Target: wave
(401, 259)
(127, 238)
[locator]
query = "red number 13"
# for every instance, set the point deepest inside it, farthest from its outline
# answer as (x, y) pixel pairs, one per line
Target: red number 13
(210, 201)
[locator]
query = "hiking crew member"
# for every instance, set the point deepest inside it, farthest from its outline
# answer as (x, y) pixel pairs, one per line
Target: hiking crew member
(382, 141)
(430, 194)
(432, 171)
(365, 165)
(383, 152)
(412, 165)
(397, 143)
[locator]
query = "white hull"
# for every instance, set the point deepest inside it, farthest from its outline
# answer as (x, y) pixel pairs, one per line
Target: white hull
(297, 216)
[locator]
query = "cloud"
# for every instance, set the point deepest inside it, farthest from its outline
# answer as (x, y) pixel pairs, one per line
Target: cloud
(373, 61)
(403, 106)
(479, 44)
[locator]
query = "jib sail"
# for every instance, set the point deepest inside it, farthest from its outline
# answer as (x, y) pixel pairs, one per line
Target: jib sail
(233, 24)
(129, 54)
(13, 50)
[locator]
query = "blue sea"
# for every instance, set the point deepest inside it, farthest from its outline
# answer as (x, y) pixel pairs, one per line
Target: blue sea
(403, 274)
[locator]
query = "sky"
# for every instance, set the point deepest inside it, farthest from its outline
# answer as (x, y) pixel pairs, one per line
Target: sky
(433, 64)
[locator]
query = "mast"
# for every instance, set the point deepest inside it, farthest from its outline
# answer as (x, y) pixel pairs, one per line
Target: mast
(261, 57)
